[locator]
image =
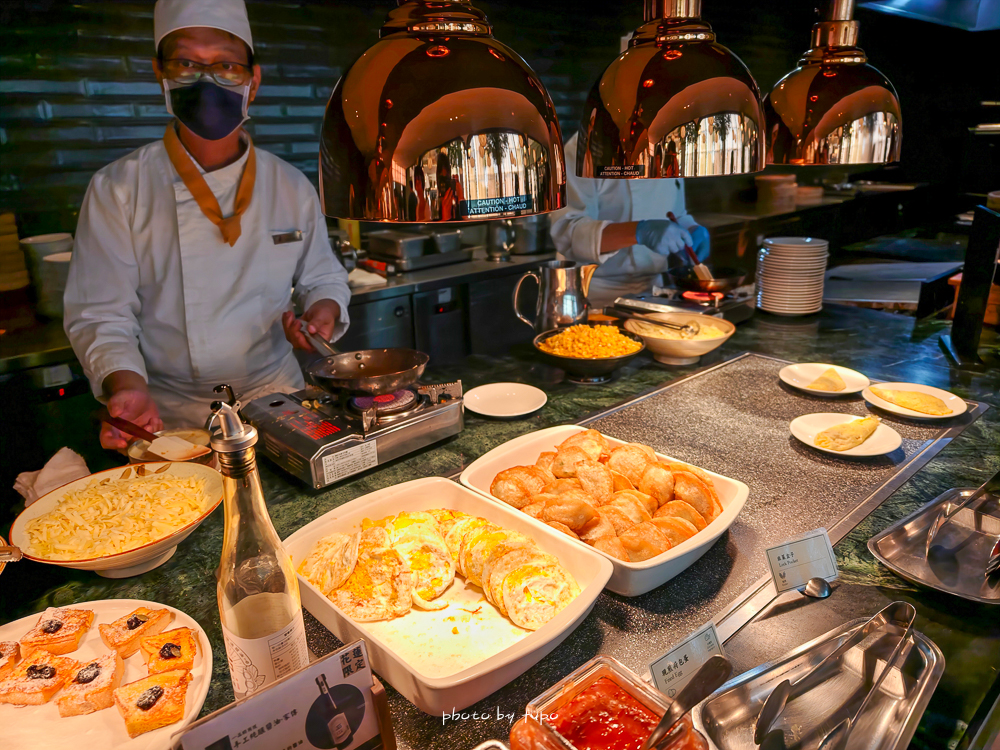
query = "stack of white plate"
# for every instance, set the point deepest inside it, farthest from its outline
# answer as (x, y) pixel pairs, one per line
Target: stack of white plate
(790, 274)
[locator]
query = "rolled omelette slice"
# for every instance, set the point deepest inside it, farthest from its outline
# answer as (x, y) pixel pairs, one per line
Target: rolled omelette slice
(925, 403)
(829, 381)
(843, 437)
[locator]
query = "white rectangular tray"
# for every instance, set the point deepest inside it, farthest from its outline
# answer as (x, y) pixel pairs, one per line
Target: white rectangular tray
(506, 650)
(628, 579)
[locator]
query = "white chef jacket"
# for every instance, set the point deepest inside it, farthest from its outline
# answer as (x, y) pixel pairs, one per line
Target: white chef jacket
(592, 204)
(154, 289)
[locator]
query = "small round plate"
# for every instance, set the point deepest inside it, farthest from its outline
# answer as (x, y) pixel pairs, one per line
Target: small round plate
(801, 375)
(505, 399)
(883, 440)
(957, 405)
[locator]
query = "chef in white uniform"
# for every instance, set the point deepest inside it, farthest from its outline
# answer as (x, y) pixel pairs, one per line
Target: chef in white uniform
(622, 225)
(187, 250)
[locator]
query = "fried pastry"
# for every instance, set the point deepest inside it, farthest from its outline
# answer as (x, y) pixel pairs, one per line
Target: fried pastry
(924, 403)
(36, 678)
(124, 633)
(596, 480)
(621, 482)
(92, 686)
(611, 545)
(657, 481)
(676, 529)
(596, 529)
(847, 435)
(593, 443)
(694, 492)
(630, 461)
(59, 630)
(829, 381)
(563, 528)
(559, 486)
(620, 520)
(516, 485)
(536, 506)
(648, 503)
(10, 655)
(680, 509)
(643, 541)
(544, 461)
(153, 702)
(171, 649)
(564, 464)
(570, 509)
(331, 561)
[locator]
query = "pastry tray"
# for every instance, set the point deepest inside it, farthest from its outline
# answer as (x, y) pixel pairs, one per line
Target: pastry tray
(957, 560)
(727, 718)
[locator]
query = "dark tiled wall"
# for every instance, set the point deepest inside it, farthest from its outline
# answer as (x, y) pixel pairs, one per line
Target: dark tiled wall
(77, 88)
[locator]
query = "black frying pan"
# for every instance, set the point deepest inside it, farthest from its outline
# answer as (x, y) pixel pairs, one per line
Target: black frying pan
(370, 371)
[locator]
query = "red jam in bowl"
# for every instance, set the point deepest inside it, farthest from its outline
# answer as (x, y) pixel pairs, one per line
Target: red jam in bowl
(604, 717)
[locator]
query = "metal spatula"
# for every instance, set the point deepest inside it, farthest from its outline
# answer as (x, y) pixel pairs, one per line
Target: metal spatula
(169, 447)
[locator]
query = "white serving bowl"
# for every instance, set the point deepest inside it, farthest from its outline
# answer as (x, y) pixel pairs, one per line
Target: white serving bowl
(131, 562)
(628, 578)
(683, 351)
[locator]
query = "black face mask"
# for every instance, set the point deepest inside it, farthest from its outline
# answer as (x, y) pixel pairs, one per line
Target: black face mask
(207, 109)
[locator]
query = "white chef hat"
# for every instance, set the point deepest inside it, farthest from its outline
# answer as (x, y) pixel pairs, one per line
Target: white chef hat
(225, 15)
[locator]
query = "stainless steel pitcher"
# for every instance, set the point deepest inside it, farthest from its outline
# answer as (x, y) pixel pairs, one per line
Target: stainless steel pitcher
(562, 294)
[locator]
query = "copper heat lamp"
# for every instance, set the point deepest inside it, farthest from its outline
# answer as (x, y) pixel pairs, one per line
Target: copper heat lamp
(438, 121)
(674, 104)
(834, 108)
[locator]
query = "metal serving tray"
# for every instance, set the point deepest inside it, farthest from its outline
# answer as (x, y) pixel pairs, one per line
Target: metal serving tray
(958, 557)
(727, 718)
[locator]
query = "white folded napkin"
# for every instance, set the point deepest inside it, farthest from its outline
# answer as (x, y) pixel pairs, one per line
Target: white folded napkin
(361, 277)
(64, 467)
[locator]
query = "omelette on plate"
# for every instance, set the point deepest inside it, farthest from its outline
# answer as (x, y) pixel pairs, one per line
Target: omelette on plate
(925, 403)
(830, 381)
(843, 437)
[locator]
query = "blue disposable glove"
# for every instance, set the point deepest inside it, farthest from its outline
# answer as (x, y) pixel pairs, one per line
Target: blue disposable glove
(662, 236)
(701, 242)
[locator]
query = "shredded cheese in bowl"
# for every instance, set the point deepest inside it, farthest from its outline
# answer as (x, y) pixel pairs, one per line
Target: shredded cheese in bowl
(111, 516)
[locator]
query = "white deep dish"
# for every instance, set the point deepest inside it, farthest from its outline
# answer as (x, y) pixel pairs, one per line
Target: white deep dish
(956, 404)
(801, 375)
(505, 399)
(435, 668)
(33, 727)
(131, 562)
(628, 578)
(883, 440)
(682, 351)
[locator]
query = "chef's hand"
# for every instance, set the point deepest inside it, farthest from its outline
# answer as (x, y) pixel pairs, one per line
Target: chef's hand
(321, 319)
(129, 400)
(700, 242)
(663, 236)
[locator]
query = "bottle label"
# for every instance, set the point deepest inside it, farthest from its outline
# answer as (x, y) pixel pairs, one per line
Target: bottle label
(257, 662)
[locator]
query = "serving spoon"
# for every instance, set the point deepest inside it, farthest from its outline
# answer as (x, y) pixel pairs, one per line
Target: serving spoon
(702, 684)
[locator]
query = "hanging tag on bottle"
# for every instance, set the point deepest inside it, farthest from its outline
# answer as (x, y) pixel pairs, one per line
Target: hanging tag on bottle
(333, 703)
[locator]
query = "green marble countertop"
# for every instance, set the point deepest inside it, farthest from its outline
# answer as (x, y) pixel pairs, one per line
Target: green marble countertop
(883, 346)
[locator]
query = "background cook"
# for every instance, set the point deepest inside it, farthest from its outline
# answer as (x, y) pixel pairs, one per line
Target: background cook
(188, 248)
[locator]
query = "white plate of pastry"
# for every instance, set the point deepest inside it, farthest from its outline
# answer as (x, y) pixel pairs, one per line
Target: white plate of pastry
(116, 673)
(914, 400)
(821, 379)
(846, 434)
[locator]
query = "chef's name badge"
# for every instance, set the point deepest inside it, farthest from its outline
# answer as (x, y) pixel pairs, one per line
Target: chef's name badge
(806, 556)
(674, 669)
(332, 703)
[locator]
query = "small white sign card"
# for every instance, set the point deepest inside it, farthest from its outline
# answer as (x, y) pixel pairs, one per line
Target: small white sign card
(806, 556)
(327, 705)
(672, 671)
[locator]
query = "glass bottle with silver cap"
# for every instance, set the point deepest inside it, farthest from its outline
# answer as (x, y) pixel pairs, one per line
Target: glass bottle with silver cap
(258, 592)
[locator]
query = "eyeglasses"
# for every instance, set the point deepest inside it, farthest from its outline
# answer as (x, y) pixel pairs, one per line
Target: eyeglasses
(223, 73)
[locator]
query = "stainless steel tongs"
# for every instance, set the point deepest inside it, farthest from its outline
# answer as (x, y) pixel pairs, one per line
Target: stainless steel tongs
(991, 485)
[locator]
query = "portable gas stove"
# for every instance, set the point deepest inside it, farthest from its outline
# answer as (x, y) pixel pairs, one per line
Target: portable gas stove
(322, 438)
(736, 305)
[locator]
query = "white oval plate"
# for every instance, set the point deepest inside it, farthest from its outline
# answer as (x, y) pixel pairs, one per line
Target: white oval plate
(883, 440)
(801, 375)
(958, 406)
(505, 399)
(24, 725)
